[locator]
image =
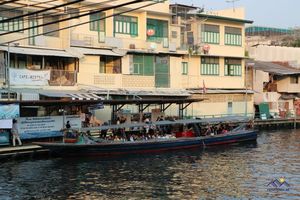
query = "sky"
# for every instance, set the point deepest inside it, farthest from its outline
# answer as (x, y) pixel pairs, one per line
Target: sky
(271, 13)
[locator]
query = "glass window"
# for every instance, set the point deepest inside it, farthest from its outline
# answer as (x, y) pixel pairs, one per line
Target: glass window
(98, 25)
(209, 66)
(233, 36)
(160, 28)
(126, 25)
(51, 27)
(143, 65)
(210, 34)
(233, 67)
(13, 25)
(110, 65)
(294, 79)
(184, 68)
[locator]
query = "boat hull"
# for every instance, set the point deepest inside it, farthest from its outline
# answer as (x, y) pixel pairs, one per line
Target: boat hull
(121, 148)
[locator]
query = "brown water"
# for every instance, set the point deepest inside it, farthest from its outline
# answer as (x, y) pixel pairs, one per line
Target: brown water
(232, 172)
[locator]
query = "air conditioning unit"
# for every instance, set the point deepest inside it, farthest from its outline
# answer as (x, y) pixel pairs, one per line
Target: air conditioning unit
(132, 46)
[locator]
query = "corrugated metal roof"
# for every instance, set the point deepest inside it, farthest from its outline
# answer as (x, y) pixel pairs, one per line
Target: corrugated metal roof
(135, 92)
(37, 51)
(272, 68)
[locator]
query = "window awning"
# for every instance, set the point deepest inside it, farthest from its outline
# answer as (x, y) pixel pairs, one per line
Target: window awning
(95, 51)
(37, 51)
(73, 95)
(34, 94)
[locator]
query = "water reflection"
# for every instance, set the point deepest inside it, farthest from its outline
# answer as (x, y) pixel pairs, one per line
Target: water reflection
(238, 172)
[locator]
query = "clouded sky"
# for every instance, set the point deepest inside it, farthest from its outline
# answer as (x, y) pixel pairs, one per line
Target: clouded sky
(273, 13)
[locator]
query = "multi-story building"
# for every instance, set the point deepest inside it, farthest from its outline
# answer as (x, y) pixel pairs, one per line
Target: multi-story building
(276, 85)
(131, 50)
(216, 44)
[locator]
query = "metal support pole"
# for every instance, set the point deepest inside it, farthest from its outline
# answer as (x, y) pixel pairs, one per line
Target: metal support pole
(246, 94)
(7, 70)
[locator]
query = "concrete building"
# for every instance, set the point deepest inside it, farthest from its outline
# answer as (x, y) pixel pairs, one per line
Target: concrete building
(276, 85)
(216, 44)
(127, 52)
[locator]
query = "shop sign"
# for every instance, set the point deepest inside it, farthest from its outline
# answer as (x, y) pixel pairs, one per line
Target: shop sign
(42, 127)
(29, 77)
(9, 111)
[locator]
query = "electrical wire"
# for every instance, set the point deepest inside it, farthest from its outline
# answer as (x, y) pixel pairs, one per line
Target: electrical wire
(63, 14)
(16, 8)
(39, 11)
(37, 17)
(67, 19)
(7, 2)
(79, 24)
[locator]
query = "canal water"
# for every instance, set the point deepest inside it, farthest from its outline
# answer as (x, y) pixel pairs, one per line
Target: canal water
(268, 169)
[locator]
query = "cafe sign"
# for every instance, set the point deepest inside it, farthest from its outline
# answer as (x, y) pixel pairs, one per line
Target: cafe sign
(29, 77)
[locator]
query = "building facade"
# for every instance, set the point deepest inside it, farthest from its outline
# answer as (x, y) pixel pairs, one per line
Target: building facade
(132, 51)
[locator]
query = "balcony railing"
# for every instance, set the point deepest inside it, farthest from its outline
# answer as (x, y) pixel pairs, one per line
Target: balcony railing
(62, 78)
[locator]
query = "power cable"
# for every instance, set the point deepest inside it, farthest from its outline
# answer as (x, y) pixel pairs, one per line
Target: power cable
(68, 27)
(62, 14)
(67, 19)
(16, 8)
(7, 2)
(39, 11)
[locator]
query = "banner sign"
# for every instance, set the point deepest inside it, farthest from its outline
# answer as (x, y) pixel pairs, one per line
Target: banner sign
(4, 137)
(42, 127)
(5, 123)
(9, 111)
(29, 77)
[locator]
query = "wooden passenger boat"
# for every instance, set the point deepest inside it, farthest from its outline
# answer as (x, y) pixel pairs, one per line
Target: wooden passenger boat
(88, 146)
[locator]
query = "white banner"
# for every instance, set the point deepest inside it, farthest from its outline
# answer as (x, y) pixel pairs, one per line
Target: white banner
(39, 127)
(5, 123)
(29, 77)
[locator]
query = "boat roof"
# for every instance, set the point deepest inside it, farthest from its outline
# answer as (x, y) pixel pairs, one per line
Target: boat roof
(105, 102)
(231, 119)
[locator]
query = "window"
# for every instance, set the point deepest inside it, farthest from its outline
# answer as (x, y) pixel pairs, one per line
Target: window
(233, 67)
(184, 68)
(174, 34)
(160, 28)
(143, 65)
(190, 38)
(210, 34)
(294, 79)
(74, 12)
(233, 36)
(209, 66)
(126, 25)
(98, 25)
(110, 65)
(32, 21)
(13, 25)
(51, 27)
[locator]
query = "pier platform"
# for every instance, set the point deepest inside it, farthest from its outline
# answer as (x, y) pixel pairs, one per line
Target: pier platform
(28, 150)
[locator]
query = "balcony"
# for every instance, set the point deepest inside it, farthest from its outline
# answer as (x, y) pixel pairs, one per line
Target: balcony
(117, 80)
(120, 41)
(62, 78)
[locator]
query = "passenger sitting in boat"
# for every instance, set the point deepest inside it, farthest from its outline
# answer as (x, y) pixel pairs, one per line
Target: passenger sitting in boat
(208, 131)
(147, 126)
(224, 131)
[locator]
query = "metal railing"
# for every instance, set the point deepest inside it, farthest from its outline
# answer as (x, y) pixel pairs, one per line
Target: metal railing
(62, 78)
(249, 115)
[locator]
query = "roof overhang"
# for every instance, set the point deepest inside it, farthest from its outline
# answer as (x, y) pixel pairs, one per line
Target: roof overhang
(272, 68)
(37, 51)
(97, 51)
(222, 18)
